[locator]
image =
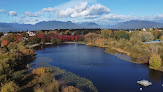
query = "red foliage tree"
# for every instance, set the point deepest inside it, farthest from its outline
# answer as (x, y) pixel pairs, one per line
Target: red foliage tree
(77, 37)
(40, 36)
(72, 38)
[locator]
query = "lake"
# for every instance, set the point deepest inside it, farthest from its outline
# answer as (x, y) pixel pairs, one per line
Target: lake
(109, 73)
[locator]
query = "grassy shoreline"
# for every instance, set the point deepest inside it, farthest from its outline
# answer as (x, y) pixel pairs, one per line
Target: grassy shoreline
(67, 77)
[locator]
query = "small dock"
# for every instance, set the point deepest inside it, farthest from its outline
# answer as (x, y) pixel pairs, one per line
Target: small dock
(144, 83)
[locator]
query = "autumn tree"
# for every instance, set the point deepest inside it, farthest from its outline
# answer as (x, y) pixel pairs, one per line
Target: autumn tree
(146, 36)
(12, 46)
(40, 36)
(54, 40)
(67, 32)
(3, 51)
(24, 34)
(34, 39)
(122, 35)
(90, 36)
(19, 39)
(4, 42)
(155, 34)
(155, 61)
(10, 87)
(77, 37)
(106, 33)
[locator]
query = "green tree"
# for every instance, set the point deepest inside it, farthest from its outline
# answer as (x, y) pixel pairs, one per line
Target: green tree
(155, 61)
(34, 39)
(122, 34)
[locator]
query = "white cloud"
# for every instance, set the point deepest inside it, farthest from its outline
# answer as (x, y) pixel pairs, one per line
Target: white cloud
(12, 13)
(84, 10)
(2, 11)
(49, 9)
(30, 14)
(95, 10)
(115, 17)
(29, 20)
(73, 3)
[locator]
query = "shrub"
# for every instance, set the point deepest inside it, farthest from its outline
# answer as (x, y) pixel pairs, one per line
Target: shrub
(42, 70)
(10, 87)
(155, 61)
(28, 51)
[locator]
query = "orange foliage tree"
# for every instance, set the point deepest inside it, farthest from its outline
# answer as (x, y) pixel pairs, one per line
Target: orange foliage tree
(4, 42)
(18, 39)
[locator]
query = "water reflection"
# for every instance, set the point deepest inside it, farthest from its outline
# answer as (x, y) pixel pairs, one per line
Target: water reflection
(155, 75)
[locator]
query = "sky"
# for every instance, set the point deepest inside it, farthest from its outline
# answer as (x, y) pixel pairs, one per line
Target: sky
(105, 12)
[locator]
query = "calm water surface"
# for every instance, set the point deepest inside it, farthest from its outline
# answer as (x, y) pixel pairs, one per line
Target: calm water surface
(108, 72)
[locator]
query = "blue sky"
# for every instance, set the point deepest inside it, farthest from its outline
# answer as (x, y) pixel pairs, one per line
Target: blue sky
(99, 11)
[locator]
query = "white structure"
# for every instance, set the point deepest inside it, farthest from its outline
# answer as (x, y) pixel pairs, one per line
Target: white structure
(144, 83)
(31, 33)
(5, 33)
(144, 29)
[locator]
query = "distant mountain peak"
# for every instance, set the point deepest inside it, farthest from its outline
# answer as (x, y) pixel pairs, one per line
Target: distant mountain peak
(137, 24)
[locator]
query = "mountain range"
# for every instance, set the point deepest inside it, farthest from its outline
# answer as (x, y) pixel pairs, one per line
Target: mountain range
(137, 24)
(50, 25)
